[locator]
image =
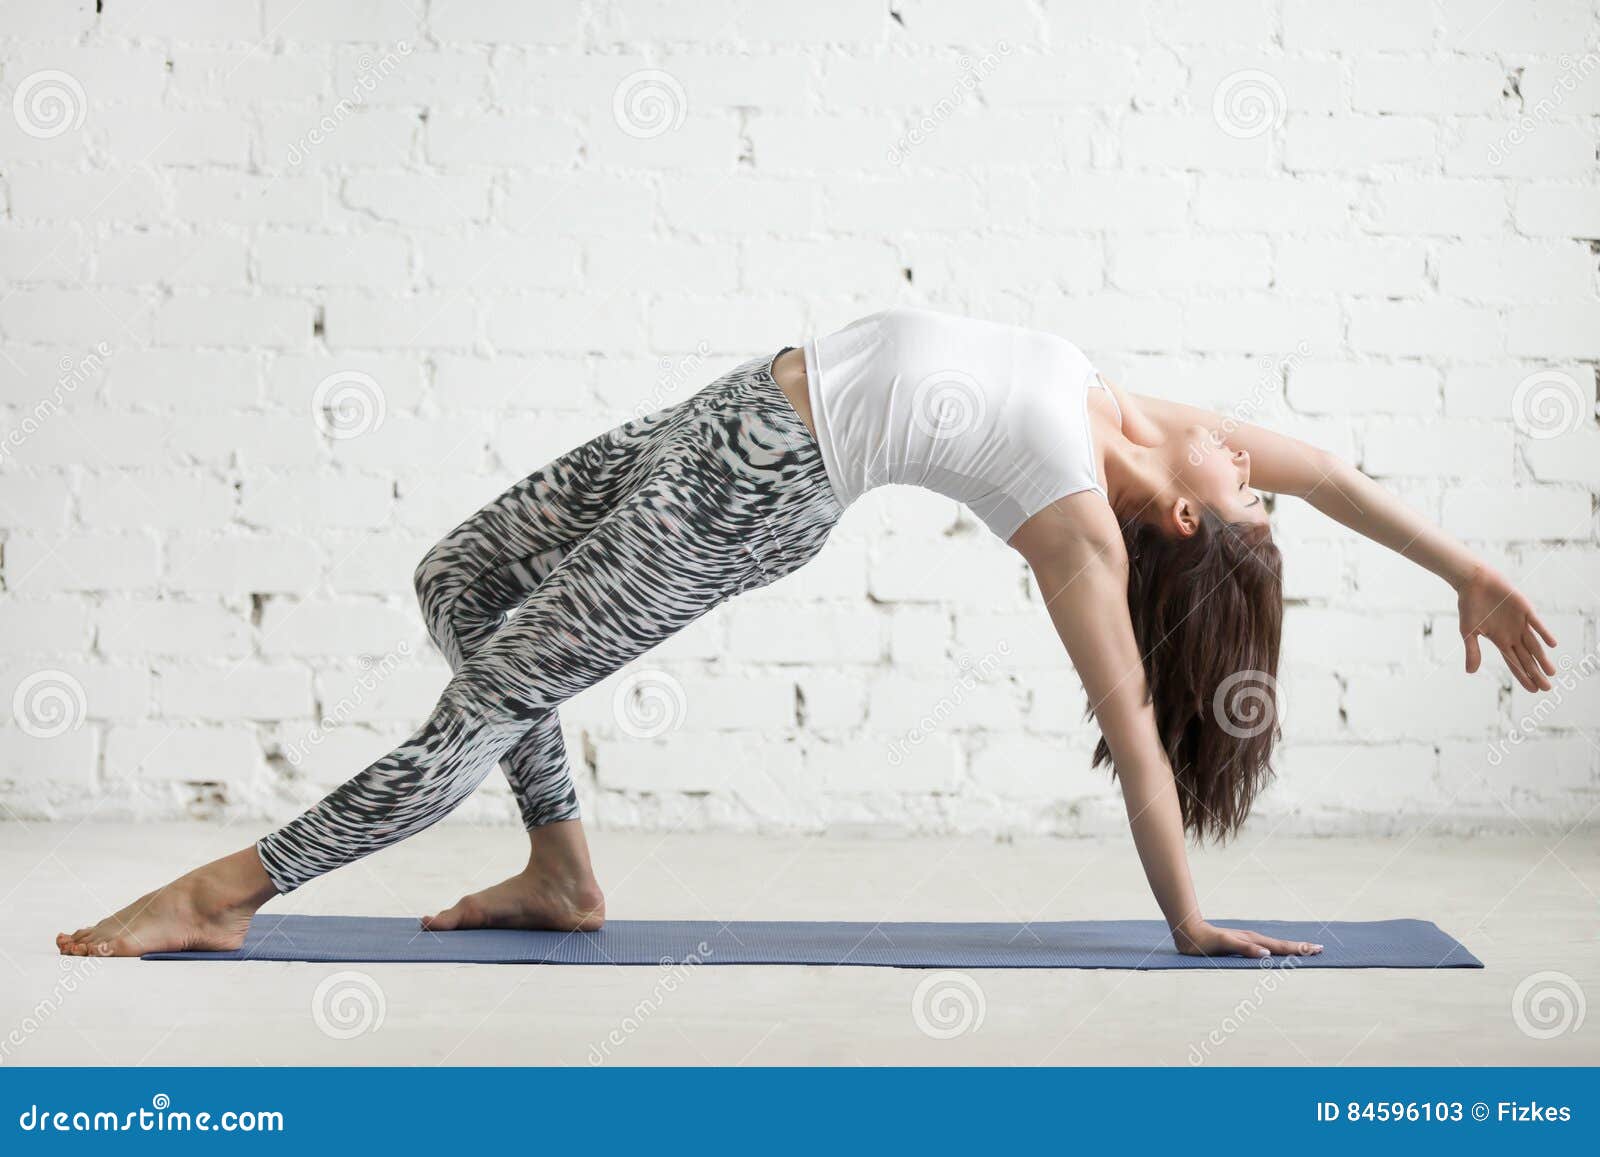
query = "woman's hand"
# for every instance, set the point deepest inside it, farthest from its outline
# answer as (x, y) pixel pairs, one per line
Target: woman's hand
(1208, 940)
(1490, 606)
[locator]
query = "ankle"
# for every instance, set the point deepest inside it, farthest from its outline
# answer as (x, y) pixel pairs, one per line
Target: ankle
(237, 881)
(559, 851)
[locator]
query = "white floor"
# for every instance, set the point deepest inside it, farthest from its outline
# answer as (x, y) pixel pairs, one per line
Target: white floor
(1525, 906)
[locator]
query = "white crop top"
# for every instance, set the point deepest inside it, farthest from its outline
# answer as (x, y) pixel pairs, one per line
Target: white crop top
(994, 416)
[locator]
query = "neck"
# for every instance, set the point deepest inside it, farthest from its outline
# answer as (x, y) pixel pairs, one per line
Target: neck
(1137, 477)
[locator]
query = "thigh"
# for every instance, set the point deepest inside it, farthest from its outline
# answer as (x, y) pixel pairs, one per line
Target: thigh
(491, 561)
(670, 552)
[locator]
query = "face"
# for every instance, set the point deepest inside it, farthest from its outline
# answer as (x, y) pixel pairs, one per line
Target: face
(1217, 476)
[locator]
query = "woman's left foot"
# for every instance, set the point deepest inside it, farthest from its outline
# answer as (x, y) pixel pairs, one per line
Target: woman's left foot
(207, 910)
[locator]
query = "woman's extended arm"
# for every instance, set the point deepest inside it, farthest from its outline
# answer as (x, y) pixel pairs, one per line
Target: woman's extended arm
(1083, 577)
(1488, 604)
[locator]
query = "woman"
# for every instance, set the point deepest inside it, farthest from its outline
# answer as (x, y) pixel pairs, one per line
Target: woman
(1136, 516)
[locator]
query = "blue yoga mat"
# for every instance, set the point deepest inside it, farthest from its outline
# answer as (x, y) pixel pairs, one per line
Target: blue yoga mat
(1142, 944)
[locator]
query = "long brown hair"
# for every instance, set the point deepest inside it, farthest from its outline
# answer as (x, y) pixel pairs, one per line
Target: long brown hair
(1208, 616)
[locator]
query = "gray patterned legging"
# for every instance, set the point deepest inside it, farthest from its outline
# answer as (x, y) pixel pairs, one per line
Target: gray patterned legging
(604, 553)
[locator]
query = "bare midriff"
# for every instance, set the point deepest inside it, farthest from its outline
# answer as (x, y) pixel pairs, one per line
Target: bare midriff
(789, 371)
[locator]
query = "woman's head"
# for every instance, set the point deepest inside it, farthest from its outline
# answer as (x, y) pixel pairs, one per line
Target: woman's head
(1203, 472)
(1207, 605)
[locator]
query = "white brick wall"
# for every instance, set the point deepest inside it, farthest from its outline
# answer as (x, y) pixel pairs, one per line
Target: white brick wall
(1373, 224)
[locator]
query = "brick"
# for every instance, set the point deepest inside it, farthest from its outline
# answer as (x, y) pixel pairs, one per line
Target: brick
(1356, 144)
(1448, 86)
(1364, 25)
(1558, 210)
(1473, 450)
(1517, 514)
(1366, 268)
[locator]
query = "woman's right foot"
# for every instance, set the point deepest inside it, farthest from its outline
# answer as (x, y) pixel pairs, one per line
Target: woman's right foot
(527, 900)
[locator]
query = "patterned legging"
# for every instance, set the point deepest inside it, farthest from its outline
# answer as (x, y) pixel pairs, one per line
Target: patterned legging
(600, 555)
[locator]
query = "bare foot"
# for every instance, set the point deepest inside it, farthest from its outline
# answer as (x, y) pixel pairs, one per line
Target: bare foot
(526, 900)
(209, 909)
(557, 891)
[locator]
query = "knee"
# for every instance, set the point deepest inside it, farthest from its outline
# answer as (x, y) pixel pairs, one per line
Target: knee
(426, 578)
(489, 690)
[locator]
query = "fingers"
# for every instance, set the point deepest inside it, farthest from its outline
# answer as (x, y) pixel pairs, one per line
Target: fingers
(1244, 944)
(1523, 667)
(1474, 656)
(1275, 947)
(1514, 665)
(1541, 681)
(1544, 631)
(1532, 645)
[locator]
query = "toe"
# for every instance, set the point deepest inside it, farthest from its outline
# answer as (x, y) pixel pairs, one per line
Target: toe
(121, 946)
(445, 921)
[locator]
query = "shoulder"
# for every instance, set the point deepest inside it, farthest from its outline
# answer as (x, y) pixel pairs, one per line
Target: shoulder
(1078, 530)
